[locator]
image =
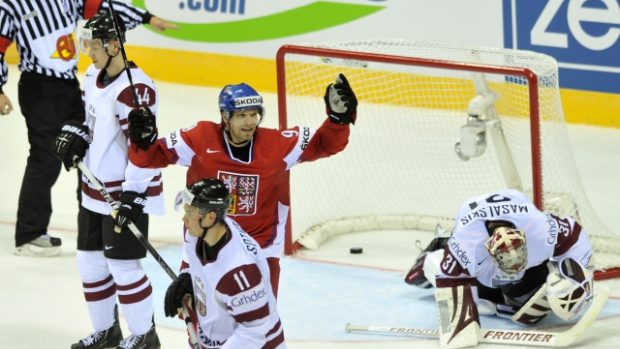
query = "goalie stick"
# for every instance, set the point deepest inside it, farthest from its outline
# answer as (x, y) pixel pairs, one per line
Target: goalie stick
(138, 234)
(505, 336)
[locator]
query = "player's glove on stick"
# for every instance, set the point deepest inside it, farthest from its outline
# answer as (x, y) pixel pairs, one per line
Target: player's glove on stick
(71, 143)
(142, 127)
(340, 102)
(180, 287)
(130, 208)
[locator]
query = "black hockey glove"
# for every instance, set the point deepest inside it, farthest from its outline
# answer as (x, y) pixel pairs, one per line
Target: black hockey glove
(142, 127)
(71, 143)
(340, 102)
(175, 293)
(131, 207)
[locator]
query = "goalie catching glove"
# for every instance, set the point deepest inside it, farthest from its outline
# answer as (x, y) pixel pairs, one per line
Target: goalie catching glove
(340, 102)
(142, 127)
(569, 288)
(178, 289)
(71, 143)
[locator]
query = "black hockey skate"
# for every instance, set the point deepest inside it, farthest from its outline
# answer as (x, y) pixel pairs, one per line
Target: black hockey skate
(105, 339)
(149, 340)
(415, 275)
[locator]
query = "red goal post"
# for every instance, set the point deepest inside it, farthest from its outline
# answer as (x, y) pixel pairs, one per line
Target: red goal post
(402, 169)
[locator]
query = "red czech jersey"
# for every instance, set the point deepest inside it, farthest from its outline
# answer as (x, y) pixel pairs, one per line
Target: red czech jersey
(256, 185)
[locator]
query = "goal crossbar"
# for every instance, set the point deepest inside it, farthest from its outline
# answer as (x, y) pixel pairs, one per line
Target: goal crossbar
(423, 89)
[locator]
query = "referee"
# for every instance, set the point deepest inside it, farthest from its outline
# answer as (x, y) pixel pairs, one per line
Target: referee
(48, 94)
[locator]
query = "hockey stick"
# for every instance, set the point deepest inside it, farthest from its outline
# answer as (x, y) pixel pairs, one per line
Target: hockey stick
(138, 234)
(510, 337)
(124, 55)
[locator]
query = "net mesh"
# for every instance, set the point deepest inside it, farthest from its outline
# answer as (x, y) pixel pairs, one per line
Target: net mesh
(400, 169)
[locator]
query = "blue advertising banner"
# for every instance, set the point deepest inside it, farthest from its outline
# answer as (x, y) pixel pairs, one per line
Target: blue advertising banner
(582, 35)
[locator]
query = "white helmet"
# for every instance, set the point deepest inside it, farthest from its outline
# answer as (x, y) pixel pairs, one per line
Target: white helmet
(507, 246)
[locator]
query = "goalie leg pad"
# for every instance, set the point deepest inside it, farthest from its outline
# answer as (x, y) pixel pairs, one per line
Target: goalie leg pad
(459, 322)
(422, 273)
(431, 265)
(534, 310)
(486, 307)
(416, 275)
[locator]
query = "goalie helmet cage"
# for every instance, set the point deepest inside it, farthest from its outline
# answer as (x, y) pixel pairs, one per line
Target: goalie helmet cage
(400, 169)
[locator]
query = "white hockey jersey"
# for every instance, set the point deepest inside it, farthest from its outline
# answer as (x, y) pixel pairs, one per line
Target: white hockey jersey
(546, 236)
(235, 305)
(107, 108)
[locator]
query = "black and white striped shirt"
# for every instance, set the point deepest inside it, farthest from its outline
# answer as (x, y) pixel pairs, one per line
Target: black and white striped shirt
(44, 32)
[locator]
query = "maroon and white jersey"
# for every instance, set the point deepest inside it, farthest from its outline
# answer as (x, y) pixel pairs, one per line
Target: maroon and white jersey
(258, 186)
(107, 107)
(235, 304)
(546, 236)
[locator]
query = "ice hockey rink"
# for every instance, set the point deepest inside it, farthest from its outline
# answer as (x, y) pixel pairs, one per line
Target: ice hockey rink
(41, 299)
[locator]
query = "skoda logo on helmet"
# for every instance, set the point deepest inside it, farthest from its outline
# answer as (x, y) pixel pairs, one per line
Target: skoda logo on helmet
(250, 101)
(234, 98)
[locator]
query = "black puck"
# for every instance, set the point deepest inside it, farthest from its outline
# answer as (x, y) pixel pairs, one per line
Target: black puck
(356, 250)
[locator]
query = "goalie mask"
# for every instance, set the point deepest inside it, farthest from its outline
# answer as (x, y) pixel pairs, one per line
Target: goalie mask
(508, 249)
(234, 98)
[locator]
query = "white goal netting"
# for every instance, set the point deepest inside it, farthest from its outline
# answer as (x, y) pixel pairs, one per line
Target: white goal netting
(401, 169)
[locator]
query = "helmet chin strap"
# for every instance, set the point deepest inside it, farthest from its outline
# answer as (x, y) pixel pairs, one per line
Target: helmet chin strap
(107, 64)
(206, 229)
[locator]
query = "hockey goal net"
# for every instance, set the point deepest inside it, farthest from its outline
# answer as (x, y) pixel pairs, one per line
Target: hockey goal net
(437, 124)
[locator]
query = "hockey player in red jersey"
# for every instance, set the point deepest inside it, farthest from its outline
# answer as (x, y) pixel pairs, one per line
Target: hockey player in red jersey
(109, 262)
(508, 258)
(250, 159)
(227, 275)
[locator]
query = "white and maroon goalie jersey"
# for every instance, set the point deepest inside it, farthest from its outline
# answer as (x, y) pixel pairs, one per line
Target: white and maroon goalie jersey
(235, 305)
(107, 107)
(546, 236)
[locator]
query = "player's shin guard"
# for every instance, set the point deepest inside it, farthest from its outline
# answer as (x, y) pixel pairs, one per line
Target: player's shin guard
(134, 292)
(459, 322)
(99, 288)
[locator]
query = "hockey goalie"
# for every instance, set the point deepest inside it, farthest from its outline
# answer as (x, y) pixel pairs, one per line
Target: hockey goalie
(506, 258)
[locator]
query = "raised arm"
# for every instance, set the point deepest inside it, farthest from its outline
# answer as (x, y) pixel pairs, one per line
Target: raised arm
(131, 16)
(333, 135)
